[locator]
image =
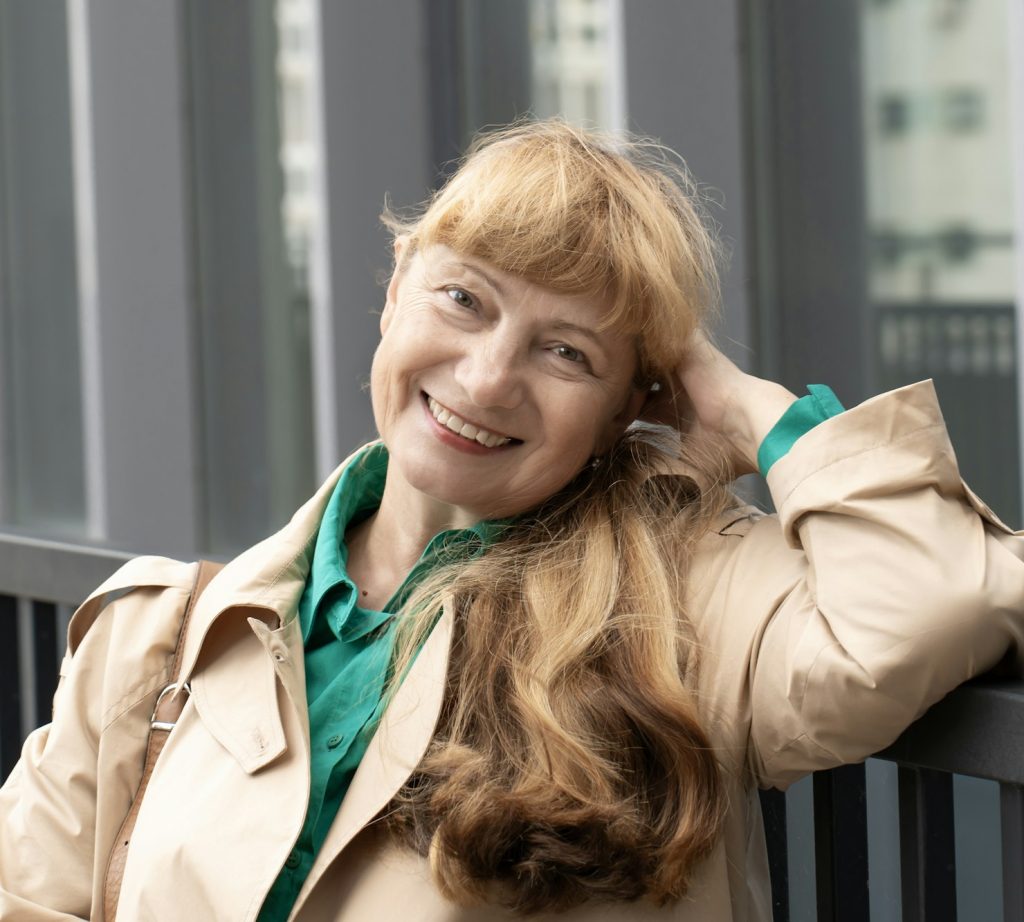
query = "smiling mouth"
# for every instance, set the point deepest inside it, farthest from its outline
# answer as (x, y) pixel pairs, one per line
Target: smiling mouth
(467, 430)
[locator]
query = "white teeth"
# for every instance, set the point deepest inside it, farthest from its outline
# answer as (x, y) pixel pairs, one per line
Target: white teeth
(467, 430)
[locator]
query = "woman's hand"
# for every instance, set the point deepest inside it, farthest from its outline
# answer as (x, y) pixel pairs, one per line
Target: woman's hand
(709, 395)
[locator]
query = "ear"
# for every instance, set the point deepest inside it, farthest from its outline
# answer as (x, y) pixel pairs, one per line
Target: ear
(401, 258)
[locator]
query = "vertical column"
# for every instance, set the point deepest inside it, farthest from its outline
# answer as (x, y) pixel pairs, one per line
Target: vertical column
(1016, 43)
(375, 141)
(41, 479)
(807, 193)
(683, 85)
(617, 79)
(251, 321)
(128, 127)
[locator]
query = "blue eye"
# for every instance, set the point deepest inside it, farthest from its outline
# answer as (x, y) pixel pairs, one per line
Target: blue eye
(570, 354)
(460, 297)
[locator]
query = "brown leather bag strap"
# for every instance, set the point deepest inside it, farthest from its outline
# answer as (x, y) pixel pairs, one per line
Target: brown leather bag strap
(169, 705)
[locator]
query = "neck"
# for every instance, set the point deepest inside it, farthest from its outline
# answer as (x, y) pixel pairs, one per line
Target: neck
(384, 548)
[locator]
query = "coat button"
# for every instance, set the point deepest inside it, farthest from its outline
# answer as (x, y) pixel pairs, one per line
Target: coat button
(335, 741)
(293, 859)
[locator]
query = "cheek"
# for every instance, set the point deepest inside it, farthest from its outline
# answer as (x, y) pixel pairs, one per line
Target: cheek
(396, 364)
(577, 430)
(382, 397)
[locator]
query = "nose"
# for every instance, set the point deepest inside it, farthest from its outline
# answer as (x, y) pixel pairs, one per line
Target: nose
(490, 371)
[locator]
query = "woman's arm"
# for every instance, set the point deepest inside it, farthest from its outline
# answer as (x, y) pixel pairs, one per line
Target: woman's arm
(710, 396)
(881, 584)
(67, 796)
(47, 815)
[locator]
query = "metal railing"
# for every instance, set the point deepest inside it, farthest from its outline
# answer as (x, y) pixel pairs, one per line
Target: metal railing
(41, 582)
(978, 731)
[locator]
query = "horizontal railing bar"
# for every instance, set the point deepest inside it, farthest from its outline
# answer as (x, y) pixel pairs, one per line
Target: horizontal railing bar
(976, 730)
(51, 571)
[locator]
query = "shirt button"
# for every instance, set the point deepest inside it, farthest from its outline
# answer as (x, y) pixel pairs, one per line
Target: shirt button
(292, 862)
(335, 741)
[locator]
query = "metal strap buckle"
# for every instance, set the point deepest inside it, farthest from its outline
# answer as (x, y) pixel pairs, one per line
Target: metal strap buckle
(163, 724)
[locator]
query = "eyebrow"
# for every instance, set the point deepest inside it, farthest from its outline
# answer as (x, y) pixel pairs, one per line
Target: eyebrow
(568, 326)
(489, 279)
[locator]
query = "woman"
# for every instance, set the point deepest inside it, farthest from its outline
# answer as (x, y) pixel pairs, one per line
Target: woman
(521, 657)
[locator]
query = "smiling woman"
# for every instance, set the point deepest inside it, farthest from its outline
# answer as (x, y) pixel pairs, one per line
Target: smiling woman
(521, 656)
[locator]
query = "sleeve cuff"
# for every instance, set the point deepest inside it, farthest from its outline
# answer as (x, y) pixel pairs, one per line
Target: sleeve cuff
(820, 404)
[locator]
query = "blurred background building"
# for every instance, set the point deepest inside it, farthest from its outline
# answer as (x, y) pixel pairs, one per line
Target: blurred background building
(191, 257)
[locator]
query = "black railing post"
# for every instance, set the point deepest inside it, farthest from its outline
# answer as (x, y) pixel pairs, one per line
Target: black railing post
(10, 686)
(1011, 810)
(773, 809)
(45, 658)
(927, 846)
(841, 844)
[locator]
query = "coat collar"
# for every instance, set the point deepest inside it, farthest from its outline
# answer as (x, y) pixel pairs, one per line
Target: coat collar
(236, 694)
(267, 580)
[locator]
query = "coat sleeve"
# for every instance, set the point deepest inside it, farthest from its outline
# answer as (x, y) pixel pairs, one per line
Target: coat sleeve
(882, 583)
(56, 819)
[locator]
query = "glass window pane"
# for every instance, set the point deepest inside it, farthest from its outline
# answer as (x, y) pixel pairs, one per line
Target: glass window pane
(253, 207)
(42, 484)
(882, 156)
(497, 61)
(939, 185)
(570, 60)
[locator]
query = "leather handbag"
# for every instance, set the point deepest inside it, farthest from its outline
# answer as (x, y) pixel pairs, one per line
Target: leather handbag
(169, 705)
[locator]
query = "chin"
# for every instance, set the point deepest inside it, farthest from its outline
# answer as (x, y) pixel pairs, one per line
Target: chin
(438, 481)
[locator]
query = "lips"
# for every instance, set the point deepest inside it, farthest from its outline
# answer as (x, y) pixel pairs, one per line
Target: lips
(462, 427)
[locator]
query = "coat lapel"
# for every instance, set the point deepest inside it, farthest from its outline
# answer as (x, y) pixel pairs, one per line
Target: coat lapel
(401, 740)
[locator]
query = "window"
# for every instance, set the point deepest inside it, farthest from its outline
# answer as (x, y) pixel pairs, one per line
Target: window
(962, 110)
(893, 114)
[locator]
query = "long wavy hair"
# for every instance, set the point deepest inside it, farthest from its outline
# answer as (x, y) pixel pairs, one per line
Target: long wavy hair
(570, 762)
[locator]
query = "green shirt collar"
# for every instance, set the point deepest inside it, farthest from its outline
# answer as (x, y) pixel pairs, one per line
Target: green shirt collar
(356, 496)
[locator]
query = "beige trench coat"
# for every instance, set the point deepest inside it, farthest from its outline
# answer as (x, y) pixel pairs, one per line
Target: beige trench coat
(881, 584)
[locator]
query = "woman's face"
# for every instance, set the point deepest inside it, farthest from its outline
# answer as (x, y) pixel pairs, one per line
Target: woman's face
(522, 372)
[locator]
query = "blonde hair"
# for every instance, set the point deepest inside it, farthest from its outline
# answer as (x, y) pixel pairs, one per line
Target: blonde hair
(570, 762)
